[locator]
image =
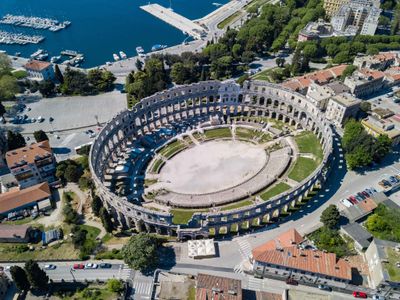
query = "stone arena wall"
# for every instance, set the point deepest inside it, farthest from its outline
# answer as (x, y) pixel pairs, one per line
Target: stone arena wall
(209, 98)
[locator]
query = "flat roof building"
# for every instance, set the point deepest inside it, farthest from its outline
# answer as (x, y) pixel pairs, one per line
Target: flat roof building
(376, 126)
(342, 107)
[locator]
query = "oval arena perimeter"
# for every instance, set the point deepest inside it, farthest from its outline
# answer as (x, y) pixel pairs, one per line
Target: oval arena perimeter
(211, 158)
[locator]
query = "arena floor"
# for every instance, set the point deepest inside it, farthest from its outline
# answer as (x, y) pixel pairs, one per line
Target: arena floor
(212, 166)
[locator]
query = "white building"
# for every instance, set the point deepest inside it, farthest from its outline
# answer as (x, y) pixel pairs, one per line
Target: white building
(359, 16)
(342, 107)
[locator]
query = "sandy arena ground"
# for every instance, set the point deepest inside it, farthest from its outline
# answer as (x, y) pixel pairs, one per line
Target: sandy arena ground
(212, 166)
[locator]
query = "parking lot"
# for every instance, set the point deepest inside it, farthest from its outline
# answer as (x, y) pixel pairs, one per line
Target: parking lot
(66, 120)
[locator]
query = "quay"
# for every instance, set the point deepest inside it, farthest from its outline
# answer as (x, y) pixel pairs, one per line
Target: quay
(34, 22)
(176, 20)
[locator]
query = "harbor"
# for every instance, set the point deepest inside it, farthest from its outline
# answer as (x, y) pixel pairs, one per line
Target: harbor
(34, 22)
(9, 38)
(176, 20)
(125, 33)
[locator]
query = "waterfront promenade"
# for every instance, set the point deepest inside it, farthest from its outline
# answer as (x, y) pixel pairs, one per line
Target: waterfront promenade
(175, 20)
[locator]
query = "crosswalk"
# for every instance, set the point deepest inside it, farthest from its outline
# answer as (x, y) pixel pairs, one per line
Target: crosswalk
(124, 272)
(255, 284)
(244, 248)
(142, 290)
(239, 268)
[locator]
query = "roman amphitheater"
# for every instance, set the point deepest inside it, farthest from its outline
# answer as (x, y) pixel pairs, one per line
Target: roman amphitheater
(211, 158)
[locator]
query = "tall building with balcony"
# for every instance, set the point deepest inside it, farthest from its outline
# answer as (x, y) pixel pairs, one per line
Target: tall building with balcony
(32, 164)
(332, 6)
(361, 16)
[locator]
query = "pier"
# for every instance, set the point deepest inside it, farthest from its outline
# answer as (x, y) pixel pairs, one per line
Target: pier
(176, 20)
(19, 38)
(34, 22)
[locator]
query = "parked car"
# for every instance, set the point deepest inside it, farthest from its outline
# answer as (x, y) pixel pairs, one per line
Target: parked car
(361, 195)
(90, 266)
(291, 281)
(358, 198)
(378, 297)
(393, 179)
(324, 287)
(78, 266)
(365, 194)
(359, 294)
(352, 199)
(49, 267)
(105, 266)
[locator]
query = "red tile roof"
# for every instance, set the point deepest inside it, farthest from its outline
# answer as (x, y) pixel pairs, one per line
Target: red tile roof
(14, 199)
(28, 154)
(373, 73)
(218, 288)
(287, 239)
(307, 260)
(36, 65)
(321, 77)
(283, 251)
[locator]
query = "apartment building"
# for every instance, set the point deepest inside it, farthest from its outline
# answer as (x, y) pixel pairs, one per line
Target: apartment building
(342, 107)
(32, 164)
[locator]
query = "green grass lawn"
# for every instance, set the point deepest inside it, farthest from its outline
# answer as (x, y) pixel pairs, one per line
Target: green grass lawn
(92, 232)
(157, 165)
(302, 168)
(98, 292)
(393, 270)
(169, 150)
(182, 216)
(309, 143)
(237, 205)
(228, 20)
(218, 133)
(245, 133)
(274, 190)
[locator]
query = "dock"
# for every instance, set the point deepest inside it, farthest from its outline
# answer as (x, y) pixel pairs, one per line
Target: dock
(167, 15)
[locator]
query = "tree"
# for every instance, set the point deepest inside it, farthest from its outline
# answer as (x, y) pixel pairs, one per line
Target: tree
(365, 106)
(280, 61)
(2, 109)
(72, 173)
(58, 75)
(382, 147)
(36, 276)
(75, 83)
(348, 72)
(15, 140)
(115, 285)
(140, 253)
(70, 215)
(8, 87)
(310, 51)
(106, 219)
(40, 136)
(5, 64)
(101, 81)
(79, 237)
(20, 278)
(139, 64)
(97, 204)
(46, 88)
(330, 217)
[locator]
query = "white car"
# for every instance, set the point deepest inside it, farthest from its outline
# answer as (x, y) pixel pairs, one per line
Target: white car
(90, 266)
(377, 297)
(7, 268)
(49, 267)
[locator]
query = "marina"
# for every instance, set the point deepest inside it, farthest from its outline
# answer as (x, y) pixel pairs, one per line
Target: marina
(126, 29)
(19, 38)
(34, 22)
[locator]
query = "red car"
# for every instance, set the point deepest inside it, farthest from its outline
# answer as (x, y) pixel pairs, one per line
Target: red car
(359, 295)
(78, 266)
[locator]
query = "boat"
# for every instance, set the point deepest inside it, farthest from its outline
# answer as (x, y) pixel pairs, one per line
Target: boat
(216, 4)
(139, 50)
(69, 53)
(42, 56)
(37, 53)
(55, 59)
(17, 53)
(158, 47)
(116, 57)
(122, 54)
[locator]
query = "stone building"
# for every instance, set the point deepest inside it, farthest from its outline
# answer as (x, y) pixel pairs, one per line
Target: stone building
(364, 83)
(342, 107)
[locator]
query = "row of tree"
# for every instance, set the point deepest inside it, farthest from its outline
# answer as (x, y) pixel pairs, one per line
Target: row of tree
(31, 276)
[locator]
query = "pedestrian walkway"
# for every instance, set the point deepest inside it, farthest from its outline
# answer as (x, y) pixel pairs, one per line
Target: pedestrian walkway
(255, 284)
(142, 290)
(239, 268)
(244, 248)
(124, 272)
